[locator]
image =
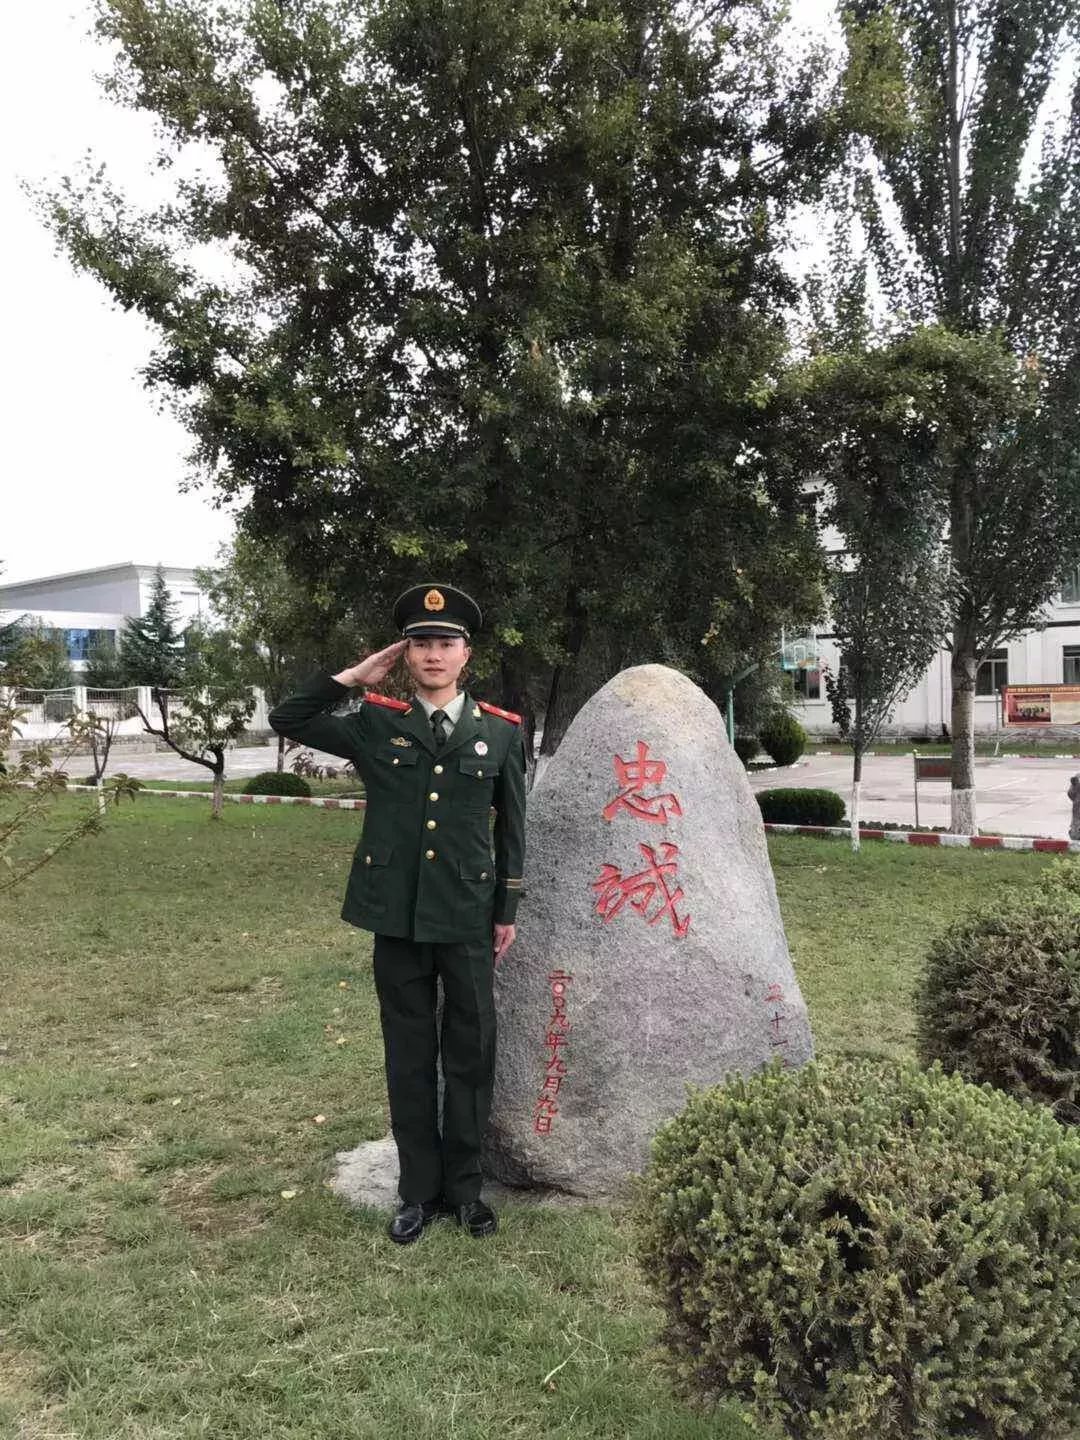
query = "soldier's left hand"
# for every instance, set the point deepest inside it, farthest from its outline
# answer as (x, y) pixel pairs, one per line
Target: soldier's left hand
(503, 938)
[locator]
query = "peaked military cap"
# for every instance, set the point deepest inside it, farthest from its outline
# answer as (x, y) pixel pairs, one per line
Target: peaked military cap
(436, 610)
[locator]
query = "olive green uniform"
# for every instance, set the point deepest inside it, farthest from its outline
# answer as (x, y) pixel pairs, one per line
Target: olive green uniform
(424, 880)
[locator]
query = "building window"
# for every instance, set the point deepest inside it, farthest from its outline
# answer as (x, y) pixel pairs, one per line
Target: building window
(80, 642)
(1070, 591)
(993, 673)
(807, 684)
(1070, 664)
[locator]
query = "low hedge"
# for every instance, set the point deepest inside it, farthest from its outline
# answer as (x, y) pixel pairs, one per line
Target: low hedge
(801, 807)
(861, 1249)
(783, 737)
(277, 782)
(746, 747)
(999, 1000)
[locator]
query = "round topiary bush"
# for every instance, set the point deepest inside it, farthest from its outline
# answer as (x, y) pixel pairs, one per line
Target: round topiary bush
(862, 1250)
(746, 747)
(801, 807)
(277, 782)
(783, 737)
(999, 999)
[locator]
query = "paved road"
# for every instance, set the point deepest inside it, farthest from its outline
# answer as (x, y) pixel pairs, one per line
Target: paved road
(1014, 796)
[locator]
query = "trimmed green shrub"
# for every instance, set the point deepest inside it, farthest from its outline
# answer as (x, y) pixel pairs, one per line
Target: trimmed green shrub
(999, 999)
(860, 1249)
(783, 737)
(801, 807)
(746, 747)
(275, 782)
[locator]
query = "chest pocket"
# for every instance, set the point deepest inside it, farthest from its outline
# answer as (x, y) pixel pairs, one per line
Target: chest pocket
(476, 783)
(398, 756)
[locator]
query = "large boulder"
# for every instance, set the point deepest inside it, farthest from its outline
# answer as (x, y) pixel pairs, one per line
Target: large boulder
(650, 951)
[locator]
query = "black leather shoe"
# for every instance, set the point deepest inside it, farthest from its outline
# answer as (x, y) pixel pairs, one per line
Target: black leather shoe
(409, 1221)
(477, 1218)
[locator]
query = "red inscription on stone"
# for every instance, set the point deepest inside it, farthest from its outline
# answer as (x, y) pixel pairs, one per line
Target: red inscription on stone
(614, 889)
(546, 1109)
(633, 776)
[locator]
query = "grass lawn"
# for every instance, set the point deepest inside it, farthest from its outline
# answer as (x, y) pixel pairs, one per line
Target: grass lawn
(181, 1000)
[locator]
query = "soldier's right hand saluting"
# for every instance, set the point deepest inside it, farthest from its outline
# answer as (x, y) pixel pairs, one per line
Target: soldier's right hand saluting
(375, 668)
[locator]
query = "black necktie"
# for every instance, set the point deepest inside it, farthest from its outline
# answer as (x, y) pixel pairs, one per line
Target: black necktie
(437, 718)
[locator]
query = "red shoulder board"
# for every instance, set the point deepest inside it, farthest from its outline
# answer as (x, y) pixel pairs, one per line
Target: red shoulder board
(387, 700)
(494, 710)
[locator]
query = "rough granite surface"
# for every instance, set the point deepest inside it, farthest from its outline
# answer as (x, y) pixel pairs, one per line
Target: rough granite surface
(586, 1074)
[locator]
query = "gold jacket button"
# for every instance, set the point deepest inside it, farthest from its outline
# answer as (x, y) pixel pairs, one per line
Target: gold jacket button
(367, 859)
(396, 761)
(434, 795)
(437, 769)
(429, 854)
(431, 824)
(483, 874)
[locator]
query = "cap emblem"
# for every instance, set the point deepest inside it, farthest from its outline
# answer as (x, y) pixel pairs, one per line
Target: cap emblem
(434, 600)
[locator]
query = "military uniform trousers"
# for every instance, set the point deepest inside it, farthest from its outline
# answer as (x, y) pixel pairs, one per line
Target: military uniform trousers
(434, 1162)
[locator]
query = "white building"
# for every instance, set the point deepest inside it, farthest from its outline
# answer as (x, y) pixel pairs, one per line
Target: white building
(1050, 656)
(87, 605)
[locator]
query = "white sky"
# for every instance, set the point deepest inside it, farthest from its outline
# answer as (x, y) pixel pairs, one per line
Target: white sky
(91, 466)
(90, 470)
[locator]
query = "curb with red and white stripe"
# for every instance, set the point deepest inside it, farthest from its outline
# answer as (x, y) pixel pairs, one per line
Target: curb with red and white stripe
(900, 754)
(326, 802)
(933, 838)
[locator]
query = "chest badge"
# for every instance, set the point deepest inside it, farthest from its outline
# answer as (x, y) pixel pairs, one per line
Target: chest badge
(481, 747)
(400, 740)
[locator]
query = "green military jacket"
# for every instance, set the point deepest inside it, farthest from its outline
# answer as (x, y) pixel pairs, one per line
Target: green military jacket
(423, 869)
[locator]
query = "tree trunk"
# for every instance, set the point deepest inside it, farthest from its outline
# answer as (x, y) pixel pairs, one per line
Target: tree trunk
(280, 753)
(963, 820)
(856, 800)
(514, 695)
(564, 697)
(218, 803)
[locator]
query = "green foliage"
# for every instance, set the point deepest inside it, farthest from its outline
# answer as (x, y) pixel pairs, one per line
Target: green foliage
(966, 186)
(104, 668)
(277, 782)
(782, 737)
(801, 807)
(859, 1250)
(151, 647)
(35, 656)
(1000, 996)
(746, 747)
(519, 338)
(283, 628)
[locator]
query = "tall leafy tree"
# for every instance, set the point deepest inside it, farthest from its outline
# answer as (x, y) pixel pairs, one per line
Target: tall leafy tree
(507, 294)
(971, 210)
(869, 421)
(282, 628)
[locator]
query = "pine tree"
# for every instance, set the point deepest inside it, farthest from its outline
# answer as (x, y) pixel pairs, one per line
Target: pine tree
(151, 647)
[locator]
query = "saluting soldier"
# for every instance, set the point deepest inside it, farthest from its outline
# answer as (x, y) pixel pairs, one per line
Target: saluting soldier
(424, 881)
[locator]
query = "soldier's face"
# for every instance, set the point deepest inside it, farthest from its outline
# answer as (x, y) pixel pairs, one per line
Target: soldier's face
(436, 660)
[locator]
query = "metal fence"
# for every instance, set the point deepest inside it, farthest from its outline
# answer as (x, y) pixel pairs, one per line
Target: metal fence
(113, 704)
(46, 707)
